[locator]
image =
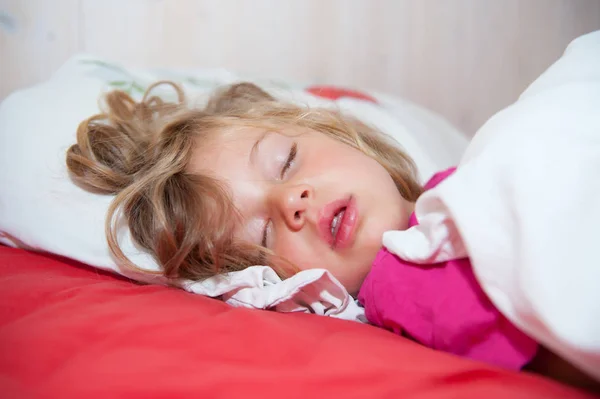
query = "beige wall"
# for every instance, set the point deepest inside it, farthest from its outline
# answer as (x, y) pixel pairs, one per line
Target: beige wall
(463, 58)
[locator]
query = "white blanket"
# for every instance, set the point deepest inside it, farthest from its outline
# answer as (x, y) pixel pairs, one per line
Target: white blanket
(524, 204)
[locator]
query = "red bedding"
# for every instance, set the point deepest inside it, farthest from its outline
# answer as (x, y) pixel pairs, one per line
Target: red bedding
(67, 331)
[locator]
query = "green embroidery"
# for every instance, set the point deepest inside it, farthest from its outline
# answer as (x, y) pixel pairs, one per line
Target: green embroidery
(123, 79)
(106, 65)
(126, 82)
(197, 82)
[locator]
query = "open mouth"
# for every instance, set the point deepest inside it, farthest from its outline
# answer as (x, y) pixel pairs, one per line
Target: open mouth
(337, 222)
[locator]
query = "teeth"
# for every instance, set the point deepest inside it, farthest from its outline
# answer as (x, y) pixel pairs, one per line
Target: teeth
(336, 221)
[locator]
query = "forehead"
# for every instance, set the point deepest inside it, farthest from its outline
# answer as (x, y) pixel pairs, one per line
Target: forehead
(233, 145)
(226, 147)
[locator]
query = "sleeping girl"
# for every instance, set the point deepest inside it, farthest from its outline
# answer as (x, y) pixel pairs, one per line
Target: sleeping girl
(250, 180)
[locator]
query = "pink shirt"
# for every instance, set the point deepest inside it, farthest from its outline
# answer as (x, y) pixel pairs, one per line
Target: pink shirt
(442, 306)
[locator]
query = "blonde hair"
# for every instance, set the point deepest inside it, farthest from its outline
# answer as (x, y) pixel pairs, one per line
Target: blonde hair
(139, 152)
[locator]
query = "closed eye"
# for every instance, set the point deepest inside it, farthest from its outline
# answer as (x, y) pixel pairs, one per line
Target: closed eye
(285, 168)
(265, 235)
(290, 160)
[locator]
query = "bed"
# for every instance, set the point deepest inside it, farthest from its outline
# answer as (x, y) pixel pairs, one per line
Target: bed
(71, 327)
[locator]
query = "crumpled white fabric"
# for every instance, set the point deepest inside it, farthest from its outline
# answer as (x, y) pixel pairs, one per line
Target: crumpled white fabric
(314, 291)
(524, 205)
(259, 287)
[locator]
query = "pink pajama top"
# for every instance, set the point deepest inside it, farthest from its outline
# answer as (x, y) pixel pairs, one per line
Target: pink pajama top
(442, 307)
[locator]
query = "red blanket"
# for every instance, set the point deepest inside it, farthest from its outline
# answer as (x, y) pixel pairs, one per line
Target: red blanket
(67, 331)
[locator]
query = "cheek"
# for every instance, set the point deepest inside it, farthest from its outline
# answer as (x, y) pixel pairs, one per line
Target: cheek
(337, 159)
(297, 252)
(392, 215)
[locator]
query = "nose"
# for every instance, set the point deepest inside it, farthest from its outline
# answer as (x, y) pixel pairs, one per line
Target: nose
(292, 203)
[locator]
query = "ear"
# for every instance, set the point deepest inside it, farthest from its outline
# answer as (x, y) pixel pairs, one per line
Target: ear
(237, 96)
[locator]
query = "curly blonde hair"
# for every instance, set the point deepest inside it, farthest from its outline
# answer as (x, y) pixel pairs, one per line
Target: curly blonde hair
(139, 152)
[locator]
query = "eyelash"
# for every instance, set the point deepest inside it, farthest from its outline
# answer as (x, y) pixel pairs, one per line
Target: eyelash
(286, 166)
(289, 161)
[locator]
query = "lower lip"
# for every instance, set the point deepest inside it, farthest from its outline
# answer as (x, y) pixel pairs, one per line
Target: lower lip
(345, 234)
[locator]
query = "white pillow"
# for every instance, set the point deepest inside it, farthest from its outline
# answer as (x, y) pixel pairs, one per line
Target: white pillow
(525, 205)
(41, 208)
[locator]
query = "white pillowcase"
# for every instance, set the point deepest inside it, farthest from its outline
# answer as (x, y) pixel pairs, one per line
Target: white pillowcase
(41, 208)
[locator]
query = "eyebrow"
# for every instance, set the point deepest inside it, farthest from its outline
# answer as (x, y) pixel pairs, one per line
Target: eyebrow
(254, 149)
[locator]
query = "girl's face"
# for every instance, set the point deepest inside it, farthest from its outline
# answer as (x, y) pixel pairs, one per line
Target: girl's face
(309, 198)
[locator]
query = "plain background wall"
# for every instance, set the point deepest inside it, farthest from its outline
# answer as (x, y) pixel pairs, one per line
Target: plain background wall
(465, 59)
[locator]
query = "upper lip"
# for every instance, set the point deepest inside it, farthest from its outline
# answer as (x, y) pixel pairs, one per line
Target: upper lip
(326, 218)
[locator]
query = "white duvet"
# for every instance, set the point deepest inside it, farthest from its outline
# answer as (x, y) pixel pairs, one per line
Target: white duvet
(524, 204)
